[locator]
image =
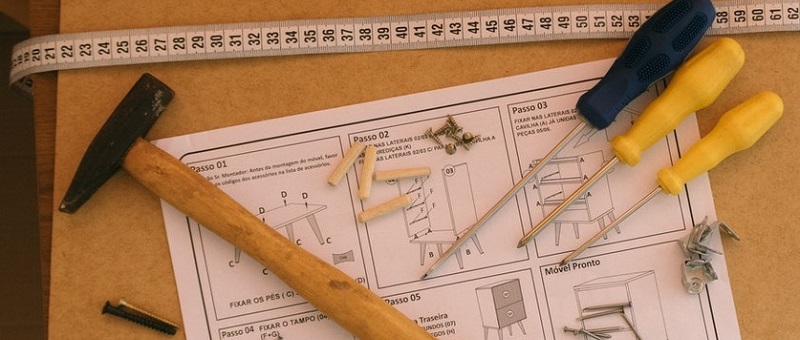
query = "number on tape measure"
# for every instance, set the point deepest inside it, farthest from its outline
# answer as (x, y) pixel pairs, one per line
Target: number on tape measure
(92, 49)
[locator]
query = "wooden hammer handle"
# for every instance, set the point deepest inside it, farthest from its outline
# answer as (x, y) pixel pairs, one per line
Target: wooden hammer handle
(341, 298)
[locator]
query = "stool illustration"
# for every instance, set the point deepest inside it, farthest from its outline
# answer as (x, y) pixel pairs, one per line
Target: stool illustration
(501, 306)
(562, 176)
(285, 216)
(641, 316)
(461, 206)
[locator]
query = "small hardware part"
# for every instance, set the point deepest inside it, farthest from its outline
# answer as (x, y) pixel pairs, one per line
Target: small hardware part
(454, 132)
(443, 131)
(139, 316)
(453, 129)
(697, 269)
(467, 140)
(695, 243)
(450, 148)
(602, 333)
(430, 134)
(696, 274)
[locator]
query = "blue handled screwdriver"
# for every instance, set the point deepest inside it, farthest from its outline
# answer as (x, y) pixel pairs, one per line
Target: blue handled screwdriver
(694, 86)
(654, 50)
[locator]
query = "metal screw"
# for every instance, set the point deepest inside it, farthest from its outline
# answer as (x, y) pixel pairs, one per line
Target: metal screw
(450, 148)
(429, 133)
(452, 129)
(468, 138)
(444, 130)
(452, 133)
(452, 123)
(139, 318)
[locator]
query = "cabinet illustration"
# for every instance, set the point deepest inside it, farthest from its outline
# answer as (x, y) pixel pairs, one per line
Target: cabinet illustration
(560, 177)
(501, 306)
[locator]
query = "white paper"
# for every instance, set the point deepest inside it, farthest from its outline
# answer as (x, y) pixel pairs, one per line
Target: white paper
(279, 168)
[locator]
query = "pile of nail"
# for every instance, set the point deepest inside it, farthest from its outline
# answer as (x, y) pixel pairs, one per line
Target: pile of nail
(602, 333)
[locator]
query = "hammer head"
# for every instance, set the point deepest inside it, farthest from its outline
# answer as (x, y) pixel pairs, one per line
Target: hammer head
(132, 118)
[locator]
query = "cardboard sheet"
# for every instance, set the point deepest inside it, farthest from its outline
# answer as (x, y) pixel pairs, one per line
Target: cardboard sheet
(116, 246)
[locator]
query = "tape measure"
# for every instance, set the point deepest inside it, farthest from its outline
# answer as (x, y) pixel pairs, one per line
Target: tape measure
(369, 34)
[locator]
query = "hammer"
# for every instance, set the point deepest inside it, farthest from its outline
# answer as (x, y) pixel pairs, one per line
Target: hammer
(119, 144)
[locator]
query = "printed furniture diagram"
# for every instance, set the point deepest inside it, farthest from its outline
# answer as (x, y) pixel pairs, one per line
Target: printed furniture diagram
(638, 292)
(560, 178)
(285, 216)
(501, 306)
(461, 204)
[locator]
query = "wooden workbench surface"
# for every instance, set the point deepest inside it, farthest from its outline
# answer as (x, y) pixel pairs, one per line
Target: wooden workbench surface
(116, 246)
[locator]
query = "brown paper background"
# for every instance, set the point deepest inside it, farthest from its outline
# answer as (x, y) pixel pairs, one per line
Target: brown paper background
(116, 246)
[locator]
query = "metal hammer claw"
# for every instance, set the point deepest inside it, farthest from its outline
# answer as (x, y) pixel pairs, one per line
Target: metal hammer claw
(119, 144)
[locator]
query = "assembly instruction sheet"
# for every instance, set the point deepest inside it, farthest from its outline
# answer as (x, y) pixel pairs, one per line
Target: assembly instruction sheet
(489, 289)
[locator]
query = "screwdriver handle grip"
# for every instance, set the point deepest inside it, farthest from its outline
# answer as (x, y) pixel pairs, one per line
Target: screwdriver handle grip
(655, 49)
(737, 129)
(694, 86)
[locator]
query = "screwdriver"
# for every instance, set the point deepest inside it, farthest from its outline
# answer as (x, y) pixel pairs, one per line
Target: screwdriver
(655, 49)
(737, 129)
(694, 86)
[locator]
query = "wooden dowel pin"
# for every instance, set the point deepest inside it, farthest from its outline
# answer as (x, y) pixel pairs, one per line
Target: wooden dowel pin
(385, 208)
(385, 175)
(347, 161)
(367, 169)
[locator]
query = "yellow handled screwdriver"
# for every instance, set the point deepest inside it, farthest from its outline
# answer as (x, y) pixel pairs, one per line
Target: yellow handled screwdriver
(738, 129)
(657, 48)
(694, 86)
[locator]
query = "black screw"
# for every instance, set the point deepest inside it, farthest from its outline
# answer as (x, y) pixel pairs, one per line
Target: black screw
(139, 318)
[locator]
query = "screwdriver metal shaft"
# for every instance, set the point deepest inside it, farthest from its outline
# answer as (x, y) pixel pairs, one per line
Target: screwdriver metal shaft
(611, 225)
(738, 129)
(654, 50)
(695, 85)
(511, 193)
